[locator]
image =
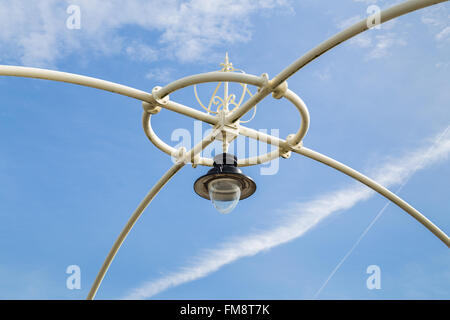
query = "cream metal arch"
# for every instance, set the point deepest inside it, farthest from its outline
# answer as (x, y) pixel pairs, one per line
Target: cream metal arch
(222, 124)
(228, 122)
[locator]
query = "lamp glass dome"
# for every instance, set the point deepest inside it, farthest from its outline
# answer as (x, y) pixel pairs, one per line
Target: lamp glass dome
(224, 194)
(225, 184)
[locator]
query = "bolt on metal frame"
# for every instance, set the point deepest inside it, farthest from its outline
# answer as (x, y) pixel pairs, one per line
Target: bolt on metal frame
(159, 98)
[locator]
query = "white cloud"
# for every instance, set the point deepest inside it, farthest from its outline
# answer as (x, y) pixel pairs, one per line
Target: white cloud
(348, 22)
(301, 218)
(444, 34)
(438, 19)
(35, 33)
(323, 75)
(366, 1)
(383, 45)
(163, 75)
(378, 46)
(363, 40)
(137, 50)
(378, 42)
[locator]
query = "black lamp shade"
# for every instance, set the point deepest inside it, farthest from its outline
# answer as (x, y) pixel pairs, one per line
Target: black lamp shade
(225, 166)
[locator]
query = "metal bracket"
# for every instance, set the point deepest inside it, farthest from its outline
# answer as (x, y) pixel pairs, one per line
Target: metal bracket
(226, 132)
(280, 91)
(293, 146)
(154, 106)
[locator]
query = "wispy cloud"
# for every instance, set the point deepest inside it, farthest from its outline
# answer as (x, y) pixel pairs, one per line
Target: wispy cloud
(343, 24)
(302, 217)
(438, 20)
(35, 33)
(377, 42)
(323, 74)
(366, 1)
(164, 75)
(371, 224)
(444, 34)
(383, 45)
(137, 50)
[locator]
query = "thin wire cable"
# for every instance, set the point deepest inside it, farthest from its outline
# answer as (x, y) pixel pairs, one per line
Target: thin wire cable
(371, 224)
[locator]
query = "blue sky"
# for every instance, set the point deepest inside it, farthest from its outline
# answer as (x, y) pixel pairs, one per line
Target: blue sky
(75, 161)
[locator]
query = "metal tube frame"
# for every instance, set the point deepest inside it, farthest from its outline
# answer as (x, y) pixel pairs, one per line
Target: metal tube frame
(277, 87)
(184, 158)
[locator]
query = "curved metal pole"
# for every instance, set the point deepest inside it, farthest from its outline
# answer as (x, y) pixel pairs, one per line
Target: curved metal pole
(131, 222)
(357, 28)
(361, 26)
(292, 140)
(304, 126)
(261, 136)
(182, 160)
(190, 112)
(37, 73)
(161, 145)
(151, 135)
(376, 187)
(210, 77)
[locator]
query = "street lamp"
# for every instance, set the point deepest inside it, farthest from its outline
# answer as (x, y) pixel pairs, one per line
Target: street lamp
(225, 184)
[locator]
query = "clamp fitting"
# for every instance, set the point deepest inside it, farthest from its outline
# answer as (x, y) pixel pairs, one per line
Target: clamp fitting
(280, 91)
(154, 106)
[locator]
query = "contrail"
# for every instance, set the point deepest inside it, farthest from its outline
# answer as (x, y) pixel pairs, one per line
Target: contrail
(302, 217)
(379, 214)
